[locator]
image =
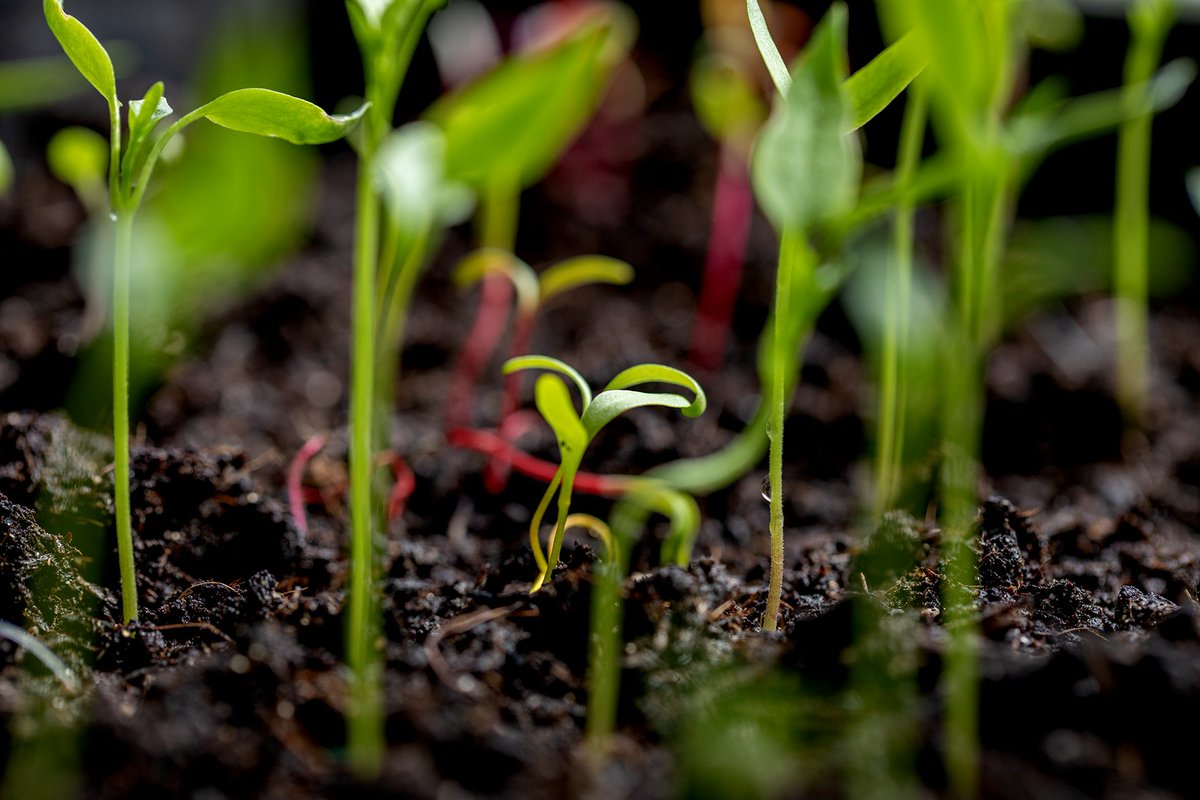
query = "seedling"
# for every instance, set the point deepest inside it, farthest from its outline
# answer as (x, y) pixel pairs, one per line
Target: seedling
(134, 150)
(532, 291)
(575, 430)
(1149, 23)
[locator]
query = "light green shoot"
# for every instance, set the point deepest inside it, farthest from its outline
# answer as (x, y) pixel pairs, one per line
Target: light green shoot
(576, 429)
(131, 162)
(1149, 23)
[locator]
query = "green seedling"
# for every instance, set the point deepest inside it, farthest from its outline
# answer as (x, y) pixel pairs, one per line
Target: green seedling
(1149, 23)
(576, 429)
(533, 291)
(134, 150)
(389, 249)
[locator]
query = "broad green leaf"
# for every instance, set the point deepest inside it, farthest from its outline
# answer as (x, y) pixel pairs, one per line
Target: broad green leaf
(726, 101)
(660, 373)
(492, 261)
(78, 157)
(518, 119)
(767, 48)
(554, 403)
(877, 84)
(805, 168)
(553, 365)
(409, 172)
(612, 403)
(268, 113)
(84, 49)
(582, 270)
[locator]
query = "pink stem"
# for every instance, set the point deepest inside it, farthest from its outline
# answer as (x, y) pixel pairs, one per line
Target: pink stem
(493, 445)
(295, 482)
(495, 474)
(733, 206)
(481, 342)
(403, 488)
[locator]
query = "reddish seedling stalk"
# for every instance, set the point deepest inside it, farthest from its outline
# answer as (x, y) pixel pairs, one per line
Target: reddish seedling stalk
(406, 482)
(297, 501)
(490, 320)
(491, 444)
(733, 208)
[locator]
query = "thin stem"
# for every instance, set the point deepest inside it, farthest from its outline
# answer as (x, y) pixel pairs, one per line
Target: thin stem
(123, 251)
(889, 457)
(365, 742)
(1132, 223)
(793, 255)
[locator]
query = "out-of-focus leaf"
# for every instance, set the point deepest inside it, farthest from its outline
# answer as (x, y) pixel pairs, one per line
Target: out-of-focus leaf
(513, 123)
(6, 169)
(79, 158)
(83, 48)
(410, 173)
(726, 101)
(805, 168)
(269, 113)
(877, 84)
(581, 270)
(1055, 25)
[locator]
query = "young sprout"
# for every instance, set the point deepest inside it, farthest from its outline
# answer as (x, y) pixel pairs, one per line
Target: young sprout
(576, 429)
(134, 150)
(533, 291)
(1149, 23)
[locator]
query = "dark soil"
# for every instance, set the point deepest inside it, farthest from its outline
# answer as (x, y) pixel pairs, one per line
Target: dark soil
(231, 685)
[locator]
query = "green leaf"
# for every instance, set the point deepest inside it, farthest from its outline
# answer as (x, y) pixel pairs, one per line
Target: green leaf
(877, 84)
(767, 48)
(268, 113)
(78, 157)
(493, 261)
(659, 373)
(410, 174)
(725, 98)
(612, 403)
(553, 365)
(805, 168)
(554, 403)
(83, 48)
(144, 114)
(515, 122)
(573, 272)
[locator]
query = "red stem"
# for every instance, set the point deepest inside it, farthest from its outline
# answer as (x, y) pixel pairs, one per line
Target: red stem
(490, 444)
(481, 342)
(733, 207)
(512, 425)
(295, 482)
(406, 482)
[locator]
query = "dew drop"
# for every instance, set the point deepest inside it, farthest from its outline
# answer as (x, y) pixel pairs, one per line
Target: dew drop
(766, 488)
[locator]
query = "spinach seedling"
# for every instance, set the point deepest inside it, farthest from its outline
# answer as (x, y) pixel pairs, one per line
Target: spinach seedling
(533, 291)
(134, 150)
(576, 429)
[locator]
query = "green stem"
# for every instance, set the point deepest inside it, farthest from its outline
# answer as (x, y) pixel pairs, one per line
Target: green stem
(1149, 23)
(365, 743)
(889, 457)
(123, 250)
(794, 256)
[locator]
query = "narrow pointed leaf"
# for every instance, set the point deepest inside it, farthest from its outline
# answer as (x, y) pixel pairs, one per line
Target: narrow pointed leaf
(805, 168)
(492, 261)
(83, 48)
(767, 48)
(877, 84)
(553, 365)
(582, 270)
(268, 113)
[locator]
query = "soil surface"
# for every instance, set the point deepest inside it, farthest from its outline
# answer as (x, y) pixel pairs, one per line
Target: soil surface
(231, 685)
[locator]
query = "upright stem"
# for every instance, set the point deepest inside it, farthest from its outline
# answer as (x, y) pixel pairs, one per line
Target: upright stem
(1149, 22)
(365, 742)
(123, 251)
(794, 256)
(889, 456)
